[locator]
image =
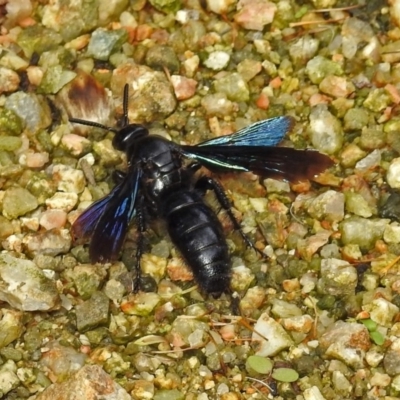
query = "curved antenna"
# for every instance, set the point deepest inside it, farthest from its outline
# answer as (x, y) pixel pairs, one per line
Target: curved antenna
(92, 123)
(125, 105)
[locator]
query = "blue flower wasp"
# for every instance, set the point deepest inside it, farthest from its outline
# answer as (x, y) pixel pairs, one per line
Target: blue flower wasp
(161, 181)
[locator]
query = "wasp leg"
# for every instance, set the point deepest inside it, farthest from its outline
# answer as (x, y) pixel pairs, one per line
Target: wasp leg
(194, 167)
(207, 183)
(141, 228)
(118, 176)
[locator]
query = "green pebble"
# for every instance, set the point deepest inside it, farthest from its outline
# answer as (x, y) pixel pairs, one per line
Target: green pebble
(361, 231)
(31, 108)
(41, 186)
(393, 125)
(103, 43)
(97, 335)
(355, 119)
(85, 283)
(305, 364)
(234, 86)
(32, 339)
(377, 100)
(42, 380)
(372, 138)
(37, 39)
(9, 353)
(44, 139)
(22, 392)
(396, 300)
(54, 79)
(59, 56)
(106, 151)
(18, 201)
(356, 204)
(10, 123)
(10, 143)
(327, 302)
(167, 6)
(297, 268)
(319, 67)
(11, 327)
(193, 31)
(92, 312)
(6, 158)
(160, 56)
(168, 395)
(6, 228)
(108, 11)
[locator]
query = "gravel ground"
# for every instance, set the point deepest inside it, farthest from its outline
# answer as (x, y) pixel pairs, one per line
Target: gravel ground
(319, 313)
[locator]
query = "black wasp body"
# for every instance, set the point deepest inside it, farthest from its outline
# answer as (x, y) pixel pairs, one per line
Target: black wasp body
(169, 191)
(161, 181)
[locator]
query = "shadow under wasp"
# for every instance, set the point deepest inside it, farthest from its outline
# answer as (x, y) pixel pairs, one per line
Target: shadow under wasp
(161, 182)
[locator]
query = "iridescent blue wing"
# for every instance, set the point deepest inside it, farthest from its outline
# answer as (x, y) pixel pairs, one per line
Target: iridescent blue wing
(83, 227)
(251, 149)
(268, 132)
(108, 219)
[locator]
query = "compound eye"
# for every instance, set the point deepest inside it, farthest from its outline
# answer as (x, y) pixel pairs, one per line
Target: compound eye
(128, 136)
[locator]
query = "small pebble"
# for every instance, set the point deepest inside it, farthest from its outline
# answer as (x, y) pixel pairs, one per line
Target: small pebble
(184, 88)
(362, 232)
(221, 6)
(53, 218)
(217, 60)
(346, 341)
(9, 80)
(92, 312)
(325, 130)
(18, 201)
(278, 338)
(62, 201)
(393, 174)
(68, 179)
(233, 86)
(255, 14)
(25, 287)
(391, 361)
(91, 382)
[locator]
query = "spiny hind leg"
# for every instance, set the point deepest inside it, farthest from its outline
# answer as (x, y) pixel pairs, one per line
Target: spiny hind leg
(206, 183)
(118, 177)
(141, 228)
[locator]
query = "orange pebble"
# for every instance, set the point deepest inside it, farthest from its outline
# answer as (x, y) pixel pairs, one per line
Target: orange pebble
(263, 101)
(276, 83)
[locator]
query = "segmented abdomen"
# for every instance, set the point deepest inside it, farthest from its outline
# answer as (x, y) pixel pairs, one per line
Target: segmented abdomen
(196, 231)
